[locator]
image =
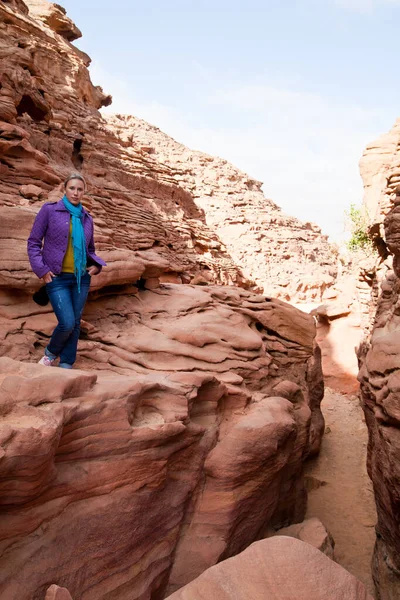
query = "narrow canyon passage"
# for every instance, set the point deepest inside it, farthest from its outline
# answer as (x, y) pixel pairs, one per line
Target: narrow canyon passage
(340, 491)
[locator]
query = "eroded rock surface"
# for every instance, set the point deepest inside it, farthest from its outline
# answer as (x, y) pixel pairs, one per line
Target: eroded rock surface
(184, 446)
(380, 171)
(146, 225)
(380, 361)
(282, 568)
(286, 258)
(182, 438)
(55, 17)
(380, 385)
(170, 212)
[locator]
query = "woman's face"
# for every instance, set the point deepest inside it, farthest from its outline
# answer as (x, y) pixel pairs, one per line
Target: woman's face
(74, 191)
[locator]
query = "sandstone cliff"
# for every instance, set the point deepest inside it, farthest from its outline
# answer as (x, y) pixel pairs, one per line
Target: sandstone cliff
(380, 362)
(50, 125)
(183, 439)
(286, 258)
(194, 215)
(380, 171)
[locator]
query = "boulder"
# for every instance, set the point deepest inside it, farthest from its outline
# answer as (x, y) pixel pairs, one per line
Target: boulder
(313, 532)
(282, 568)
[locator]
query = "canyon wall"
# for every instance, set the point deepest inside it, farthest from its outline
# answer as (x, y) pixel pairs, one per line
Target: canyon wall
(285, 257)
(50, 125)
(180, 437)
(198, 217)
(379, 358)
(380, 172)
(379, 169)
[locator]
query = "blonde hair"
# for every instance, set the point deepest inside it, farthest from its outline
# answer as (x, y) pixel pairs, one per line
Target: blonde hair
(74, 176)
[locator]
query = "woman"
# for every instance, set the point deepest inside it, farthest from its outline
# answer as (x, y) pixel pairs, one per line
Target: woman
(66, 263)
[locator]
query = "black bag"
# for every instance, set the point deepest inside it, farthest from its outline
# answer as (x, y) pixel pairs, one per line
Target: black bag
(41, 297)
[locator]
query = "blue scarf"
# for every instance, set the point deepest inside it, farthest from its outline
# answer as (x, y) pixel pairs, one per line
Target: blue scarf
(78, 239)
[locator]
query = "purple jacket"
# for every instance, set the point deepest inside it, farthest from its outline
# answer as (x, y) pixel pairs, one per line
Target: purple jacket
(52, 224)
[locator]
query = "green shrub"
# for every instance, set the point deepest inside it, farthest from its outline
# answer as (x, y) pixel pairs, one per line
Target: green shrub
(357, 219)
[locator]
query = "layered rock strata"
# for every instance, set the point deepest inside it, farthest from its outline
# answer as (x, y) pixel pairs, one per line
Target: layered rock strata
(169, 212)
(275, 568)
(146, 225)
(185, 446)
(380, 367)
(183, 439)
(285, 257)
(379, 377)
(380, 172)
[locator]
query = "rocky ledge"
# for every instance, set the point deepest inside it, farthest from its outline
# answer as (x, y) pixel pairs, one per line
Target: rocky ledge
(183, 447)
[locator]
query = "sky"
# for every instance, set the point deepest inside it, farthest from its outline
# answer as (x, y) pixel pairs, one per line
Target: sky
(290, 91)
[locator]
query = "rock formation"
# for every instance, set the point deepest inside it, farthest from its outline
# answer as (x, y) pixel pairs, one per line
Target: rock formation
(281, 568)
(147, 226)
(286, 258)
(313, 532)
(380, 365)
(184, 446)
(380, 171)
(151, 205)
(182, 440)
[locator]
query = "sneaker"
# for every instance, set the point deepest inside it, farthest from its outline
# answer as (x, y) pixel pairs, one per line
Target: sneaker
(46, 361)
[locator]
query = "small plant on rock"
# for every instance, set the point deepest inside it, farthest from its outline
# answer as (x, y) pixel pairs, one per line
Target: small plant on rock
(358, 222)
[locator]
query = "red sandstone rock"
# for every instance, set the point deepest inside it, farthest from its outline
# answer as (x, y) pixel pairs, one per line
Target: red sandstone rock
(339, 340)
(379, 360)
(282, 568)
(31, 191)
(379, 378)
(148, 208)
(182, 426)
(146, 225)
(381, 177)
(113, 477)
(313, 532)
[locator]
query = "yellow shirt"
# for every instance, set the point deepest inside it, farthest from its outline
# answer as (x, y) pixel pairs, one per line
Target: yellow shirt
(68, 265)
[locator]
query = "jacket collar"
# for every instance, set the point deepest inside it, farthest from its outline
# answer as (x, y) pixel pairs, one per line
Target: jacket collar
(60, 206)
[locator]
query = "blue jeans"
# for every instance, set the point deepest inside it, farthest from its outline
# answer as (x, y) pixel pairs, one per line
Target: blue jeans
(68, 305)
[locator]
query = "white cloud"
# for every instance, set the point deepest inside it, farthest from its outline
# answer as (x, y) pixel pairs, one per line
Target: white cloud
(304, 147)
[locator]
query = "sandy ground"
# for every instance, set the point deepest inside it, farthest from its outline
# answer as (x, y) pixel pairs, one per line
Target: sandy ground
(340, 491)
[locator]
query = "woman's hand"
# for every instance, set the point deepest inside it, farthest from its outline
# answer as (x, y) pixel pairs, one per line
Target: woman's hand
(48, 277)
(93, 270)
